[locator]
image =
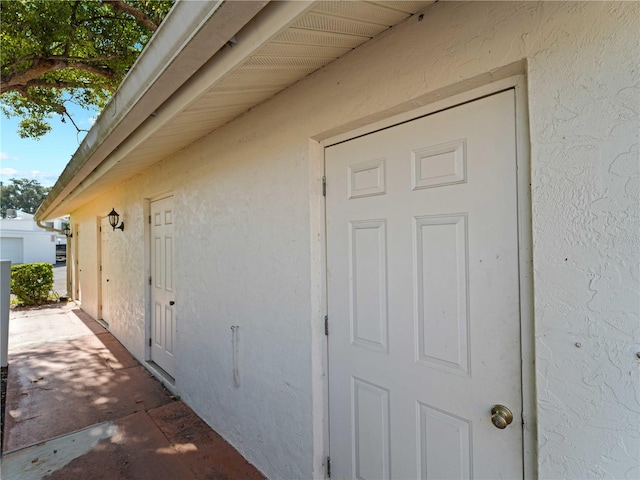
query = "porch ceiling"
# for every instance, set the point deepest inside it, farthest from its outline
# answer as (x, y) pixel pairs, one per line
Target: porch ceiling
(283, 43)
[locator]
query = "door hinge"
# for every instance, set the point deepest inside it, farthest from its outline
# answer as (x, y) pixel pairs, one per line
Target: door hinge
(326, 325)
(324, 186)
(150, 281)
(149, 219)
(149, 341)
(100, 267)
(328, 467)
(100, 230)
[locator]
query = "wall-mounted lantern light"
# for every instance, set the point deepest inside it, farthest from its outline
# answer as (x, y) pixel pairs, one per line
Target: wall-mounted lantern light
(113, 220)
(67, 231)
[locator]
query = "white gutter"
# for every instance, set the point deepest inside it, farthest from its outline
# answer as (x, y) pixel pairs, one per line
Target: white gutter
(45, 227)
(188, 37)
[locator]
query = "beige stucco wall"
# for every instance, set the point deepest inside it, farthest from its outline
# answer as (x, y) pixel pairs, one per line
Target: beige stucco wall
(249, 235)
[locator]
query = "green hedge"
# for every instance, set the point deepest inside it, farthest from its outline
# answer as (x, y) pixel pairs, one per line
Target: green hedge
(32, 282)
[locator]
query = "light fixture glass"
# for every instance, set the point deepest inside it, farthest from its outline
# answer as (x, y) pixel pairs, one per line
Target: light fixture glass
(113, 220)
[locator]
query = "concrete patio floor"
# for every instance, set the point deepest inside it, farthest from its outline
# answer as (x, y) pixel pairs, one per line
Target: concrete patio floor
(80, 406)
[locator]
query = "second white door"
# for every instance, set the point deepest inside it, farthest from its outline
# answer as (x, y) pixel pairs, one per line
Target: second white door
(423, 293)
(106, 280)
(163, 312)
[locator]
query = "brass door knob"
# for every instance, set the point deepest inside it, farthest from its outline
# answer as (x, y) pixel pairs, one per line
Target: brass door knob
(501, 416)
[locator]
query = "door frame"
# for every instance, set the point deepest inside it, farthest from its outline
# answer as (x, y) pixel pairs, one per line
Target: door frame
(317, 146)
(168, 382)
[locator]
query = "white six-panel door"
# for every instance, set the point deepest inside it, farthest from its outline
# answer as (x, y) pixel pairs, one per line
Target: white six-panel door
(163, 317)
(423, 297)
(106, 280)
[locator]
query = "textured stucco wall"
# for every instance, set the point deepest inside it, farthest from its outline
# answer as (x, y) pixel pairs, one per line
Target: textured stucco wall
(586, 206)
(248, 253)
(242, 258)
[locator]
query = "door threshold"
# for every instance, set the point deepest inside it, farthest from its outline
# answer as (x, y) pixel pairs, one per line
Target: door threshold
(167, 380)
(103, 323)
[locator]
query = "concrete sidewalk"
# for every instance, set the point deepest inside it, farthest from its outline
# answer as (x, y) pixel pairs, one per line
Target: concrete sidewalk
(80, 406)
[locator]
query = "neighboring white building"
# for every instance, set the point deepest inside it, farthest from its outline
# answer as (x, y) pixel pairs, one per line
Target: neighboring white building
(22, 241)
(477, 246)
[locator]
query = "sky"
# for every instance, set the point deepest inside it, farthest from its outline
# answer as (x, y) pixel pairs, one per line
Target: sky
(42, 160)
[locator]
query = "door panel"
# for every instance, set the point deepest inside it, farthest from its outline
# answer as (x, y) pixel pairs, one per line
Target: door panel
(423, 297)
(163, 321)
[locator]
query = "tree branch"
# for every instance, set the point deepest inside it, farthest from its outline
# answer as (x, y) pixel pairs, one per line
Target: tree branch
(41, 66)
(104, 17)
(55, 58)
(120, 6)
(105, 58)
(102, 71)
(49, 84)
(66, 113)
